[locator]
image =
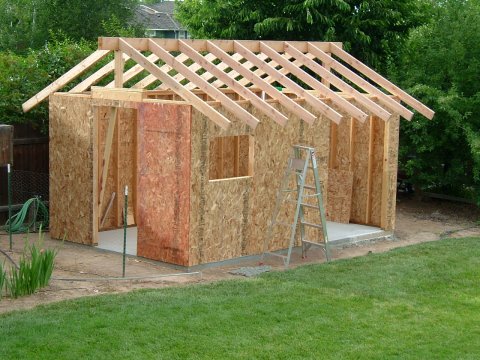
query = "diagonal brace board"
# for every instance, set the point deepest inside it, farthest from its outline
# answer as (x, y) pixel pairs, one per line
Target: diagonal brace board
(228, 103)
(204, 108)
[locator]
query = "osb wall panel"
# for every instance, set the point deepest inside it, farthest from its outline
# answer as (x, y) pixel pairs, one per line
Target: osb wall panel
(219, 208)
(359, 166)
(377, 171)
(163, 187)
(71, 168)
(339, 195)
(229, 217)
(389, 185)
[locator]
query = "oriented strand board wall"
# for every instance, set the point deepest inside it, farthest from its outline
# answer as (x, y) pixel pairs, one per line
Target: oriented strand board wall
(163, 182)
(229, 217)
(71, 168)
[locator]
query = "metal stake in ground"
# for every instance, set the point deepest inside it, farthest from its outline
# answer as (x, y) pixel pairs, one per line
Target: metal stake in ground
(125, 230)
(9, 185)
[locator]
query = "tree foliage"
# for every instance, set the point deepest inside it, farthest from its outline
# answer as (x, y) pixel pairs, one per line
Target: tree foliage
(371, 29)
(441, 66)
(28, 24)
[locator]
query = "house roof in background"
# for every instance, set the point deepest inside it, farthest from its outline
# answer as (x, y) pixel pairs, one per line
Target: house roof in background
(158, 16)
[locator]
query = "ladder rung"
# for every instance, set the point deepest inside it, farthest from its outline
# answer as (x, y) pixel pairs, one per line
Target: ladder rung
(313, 243)
(310, 187)
(306, 205)
(312, 225)
(275, 254)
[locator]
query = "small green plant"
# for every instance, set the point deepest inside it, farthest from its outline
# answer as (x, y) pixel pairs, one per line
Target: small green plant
(34, 271)
(3, 276)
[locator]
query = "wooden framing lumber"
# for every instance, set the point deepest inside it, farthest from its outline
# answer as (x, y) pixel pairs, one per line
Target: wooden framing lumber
(106, 155)
(133, 71)
(313, 83)
(119, 68)
(337, 82)
(360, 82)
(269, 89)
(264, 107)
(228, 103)
(65, 79)
(150, 79)
(380, 80)
(97, 76)
(295, 88)
(208, 111)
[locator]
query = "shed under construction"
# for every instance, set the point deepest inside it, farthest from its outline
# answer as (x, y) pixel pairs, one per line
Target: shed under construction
(203, 150)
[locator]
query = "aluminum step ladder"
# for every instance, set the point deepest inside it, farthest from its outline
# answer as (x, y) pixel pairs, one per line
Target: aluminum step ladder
(302, 161)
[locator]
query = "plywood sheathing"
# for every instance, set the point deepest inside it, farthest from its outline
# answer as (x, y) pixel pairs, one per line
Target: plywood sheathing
(72, 210)
(163, 182)
(229, 217)
(339, 195)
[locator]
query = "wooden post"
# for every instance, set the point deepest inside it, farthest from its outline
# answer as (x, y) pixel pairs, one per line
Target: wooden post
(119, 65)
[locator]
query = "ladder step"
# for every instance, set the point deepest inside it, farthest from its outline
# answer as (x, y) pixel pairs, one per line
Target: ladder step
(313, 243)
(310, 187)
(275, 254)
(306, 205)
(312, 225)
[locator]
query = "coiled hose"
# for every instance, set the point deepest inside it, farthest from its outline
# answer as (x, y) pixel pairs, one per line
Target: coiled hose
(40, 217)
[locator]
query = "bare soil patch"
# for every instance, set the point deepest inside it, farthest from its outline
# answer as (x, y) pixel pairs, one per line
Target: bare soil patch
(417, 221)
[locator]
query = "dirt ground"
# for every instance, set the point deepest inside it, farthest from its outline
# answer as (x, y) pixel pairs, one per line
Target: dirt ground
(417, 221)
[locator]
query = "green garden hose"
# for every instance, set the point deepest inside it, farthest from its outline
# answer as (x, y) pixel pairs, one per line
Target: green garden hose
(40, 216)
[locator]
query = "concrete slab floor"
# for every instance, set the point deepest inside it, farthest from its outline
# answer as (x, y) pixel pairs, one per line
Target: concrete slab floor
(338, 235)
(112, 240)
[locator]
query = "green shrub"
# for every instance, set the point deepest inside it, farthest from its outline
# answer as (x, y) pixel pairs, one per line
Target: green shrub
(34, 271)
(3, 276)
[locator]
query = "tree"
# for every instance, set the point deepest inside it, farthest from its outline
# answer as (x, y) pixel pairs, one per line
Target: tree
(372, 30)
(441, 66)
(29, 23)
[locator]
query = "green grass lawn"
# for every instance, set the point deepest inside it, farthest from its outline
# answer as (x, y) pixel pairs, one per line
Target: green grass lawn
(418, 302)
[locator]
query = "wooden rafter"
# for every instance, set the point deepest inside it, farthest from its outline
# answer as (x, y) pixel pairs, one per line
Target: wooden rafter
(228, 103)
(269, 89)
(380, 80)
(314, 83)
(337, 82)
(63, 80)
(231, 83)
(359, 81)
(204, 108)
(248, 69)
(282, 79)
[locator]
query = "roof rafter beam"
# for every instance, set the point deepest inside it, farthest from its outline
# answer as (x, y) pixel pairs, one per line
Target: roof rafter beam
(63, 80)
(314, 83)
(337, 82)
(380, 80)
(150, 79)
(360, 82)
(263, 106)
(204, 108)
(292, 86)
(267, 88)
(211, 91)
